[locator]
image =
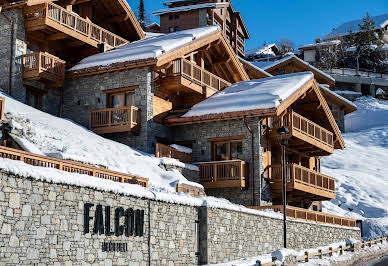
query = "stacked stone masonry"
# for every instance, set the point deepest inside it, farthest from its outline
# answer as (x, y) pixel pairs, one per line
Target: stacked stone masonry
(43, 223)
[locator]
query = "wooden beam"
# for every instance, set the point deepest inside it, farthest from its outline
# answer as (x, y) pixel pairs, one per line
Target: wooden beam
(118, 18)
(57, 36)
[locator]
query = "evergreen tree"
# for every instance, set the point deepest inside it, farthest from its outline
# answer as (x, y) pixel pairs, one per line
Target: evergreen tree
(141, 14)
(367, 44)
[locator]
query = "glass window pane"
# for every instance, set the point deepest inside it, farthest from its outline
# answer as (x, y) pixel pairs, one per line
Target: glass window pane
(222, 151)
(237, 150)
(33, 100)
(130, 99)
(118, 100)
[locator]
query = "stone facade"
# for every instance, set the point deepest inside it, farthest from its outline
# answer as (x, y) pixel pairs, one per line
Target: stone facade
(233, 235)
(202, 152)
(86, 94)
(43, 223)
(51, 96)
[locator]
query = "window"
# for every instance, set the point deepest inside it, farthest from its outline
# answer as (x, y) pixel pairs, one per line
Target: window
(176, 17)
(228, 150)
(177, 29)
(121, 99)
(282, 71)
(170, 29)
(34, 97)
(171, 17)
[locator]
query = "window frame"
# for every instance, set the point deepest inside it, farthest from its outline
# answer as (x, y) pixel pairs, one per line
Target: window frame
(229, 150)
(121, 91)
(36, 92)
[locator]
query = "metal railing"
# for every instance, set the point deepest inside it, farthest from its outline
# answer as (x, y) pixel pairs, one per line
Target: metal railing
(355, 72)
(70, 166)
(297, 123)
(36, 63)
(73, 22)
(223, 171)
(190, 70)
(111, 120)
(169, 152)
(297, 174)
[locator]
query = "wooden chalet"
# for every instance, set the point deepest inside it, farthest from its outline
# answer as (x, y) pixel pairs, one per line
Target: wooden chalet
(292, 64)
(183, 75)
(60, 33)
(182, 15)
(313, 133)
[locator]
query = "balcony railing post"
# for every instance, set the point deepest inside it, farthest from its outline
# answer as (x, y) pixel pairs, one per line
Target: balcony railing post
(215, 172)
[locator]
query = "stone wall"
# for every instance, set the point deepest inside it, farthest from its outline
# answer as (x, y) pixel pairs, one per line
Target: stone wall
(85, 94)
(202, 152)
(44, 223)
(233, 235)
(18, 50)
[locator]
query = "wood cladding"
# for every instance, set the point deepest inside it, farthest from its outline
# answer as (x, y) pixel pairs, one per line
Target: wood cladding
(161, 109)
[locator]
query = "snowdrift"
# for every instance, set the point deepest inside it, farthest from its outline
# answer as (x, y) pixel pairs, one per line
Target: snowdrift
(361, 168)
(44, 134)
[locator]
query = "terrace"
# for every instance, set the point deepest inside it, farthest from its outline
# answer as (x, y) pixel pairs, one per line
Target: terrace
(301, 182)
(114, 120)
(223, 174)
(183, 75)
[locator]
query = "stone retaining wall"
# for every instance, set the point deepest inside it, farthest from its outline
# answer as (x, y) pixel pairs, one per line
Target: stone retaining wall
(44, 223)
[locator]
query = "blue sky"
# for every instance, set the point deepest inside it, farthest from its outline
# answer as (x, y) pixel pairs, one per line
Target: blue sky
(299, 20)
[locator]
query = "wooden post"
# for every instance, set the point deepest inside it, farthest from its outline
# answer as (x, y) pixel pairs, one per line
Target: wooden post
(306, 259)
(215, 172)
(341, 250)
(320, 253)
(330, 251)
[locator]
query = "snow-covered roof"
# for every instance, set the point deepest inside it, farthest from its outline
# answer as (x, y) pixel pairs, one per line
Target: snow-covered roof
(255, 67)
(319, 44)
(265, 65)
(251, 95)
(189, 8)
(264, 50)
(146, 49)
(352, 106)
(343, 29)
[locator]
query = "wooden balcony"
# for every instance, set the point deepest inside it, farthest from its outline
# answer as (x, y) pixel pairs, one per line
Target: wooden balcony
(44, 67)
(52, 19)
(305, 130)
(309, 215)
(115, 120)
(169, 152)
(223, 174)
(301, 183)
(183, 75)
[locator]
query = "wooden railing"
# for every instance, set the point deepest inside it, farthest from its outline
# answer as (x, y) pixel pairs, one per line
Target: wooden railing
(73, 22)
(36, 63)
(2, 108)
(309, 180)
(113, 120)
(190, 70)
(169, 152)
(223, 174)
(70, 166)
(309, 215)
(302, 126)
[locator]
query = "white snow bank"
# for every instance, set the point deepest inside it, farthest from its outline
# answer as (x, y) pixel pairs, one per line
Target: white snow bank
(61, 177)
(44, 134)
(361, 168)
(148, 48)
(181, 148)
(252, 95)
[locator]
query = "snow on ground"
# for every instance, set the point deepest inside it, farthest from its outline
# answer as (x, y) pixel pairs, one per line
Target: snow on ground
(44, 134)
(361, 168)
(252, 95)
